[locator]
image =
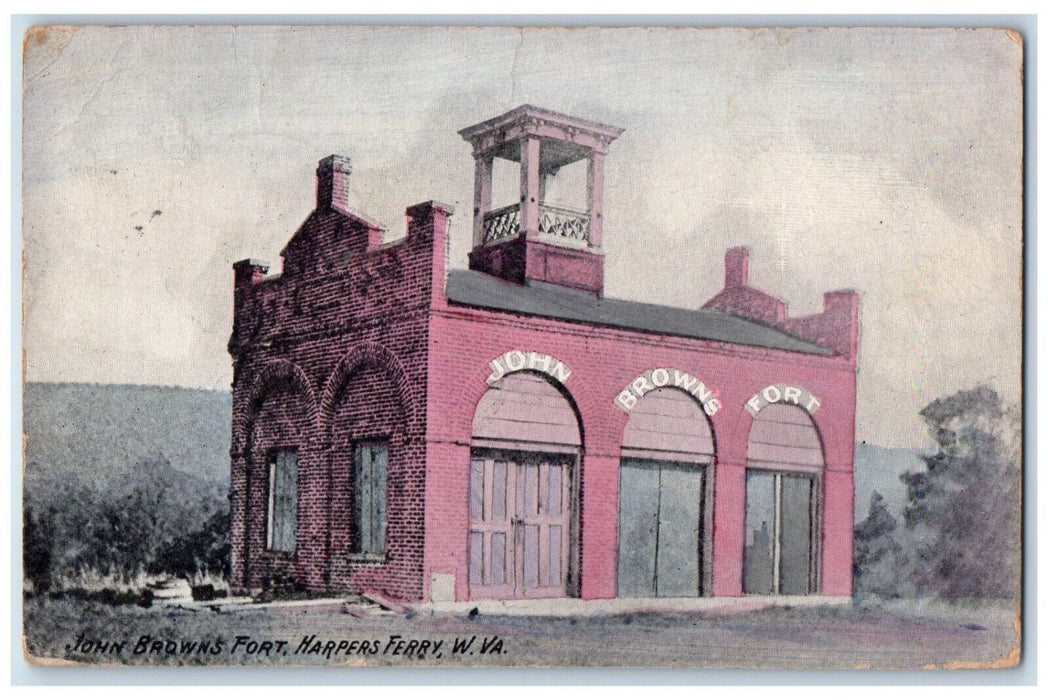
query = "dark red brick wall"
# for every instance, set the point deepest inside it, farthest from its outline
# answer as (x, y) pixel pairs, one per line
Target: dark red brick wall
(331, 352)
(282, 423)
(370, 409)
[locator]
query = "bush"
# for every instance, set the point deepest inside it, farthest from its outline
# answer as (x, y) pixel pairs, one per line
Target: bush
(94, 536)
(881, 565)
(202, 551)
(36, 550)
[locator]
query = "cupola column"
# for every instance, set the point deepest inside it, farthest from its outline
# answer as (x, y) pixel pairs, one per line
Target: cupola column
(595, 197)
(530, 186)
(481, 196)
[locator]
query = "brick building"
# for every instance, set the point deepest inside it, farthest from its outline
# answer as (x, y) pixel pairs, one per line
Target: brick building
(508, 431)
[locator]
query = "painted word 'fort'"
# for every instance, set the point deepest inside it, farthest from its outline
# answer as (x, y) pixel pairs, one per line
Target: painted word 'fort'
(507, 430)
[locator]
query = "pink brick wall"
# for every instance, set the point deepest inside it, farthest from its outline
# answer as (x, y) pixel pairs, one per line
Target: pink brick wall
(603, 362)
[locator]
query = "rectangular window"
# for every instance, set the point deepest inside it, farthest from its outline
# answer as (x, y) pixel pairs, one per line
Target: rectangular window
(283, 502)
(370, 490)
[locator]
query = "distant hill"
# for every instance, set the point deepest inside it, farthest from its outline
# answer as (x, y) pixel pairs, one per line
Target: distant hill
(878, 469)
(101, 431)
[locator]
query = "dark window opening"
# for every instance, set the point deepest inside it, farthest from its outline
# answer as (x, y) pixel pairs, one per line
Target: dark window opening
(369, 484)
(779, 533)
(283, 502)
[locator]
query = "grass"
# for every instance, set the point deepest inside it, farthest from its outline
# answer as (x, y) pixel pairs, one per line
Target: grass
(94, 580)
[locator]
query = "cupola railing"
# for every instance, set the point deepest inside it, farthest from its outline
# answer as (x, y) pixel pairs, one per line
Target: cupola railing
(558, 222)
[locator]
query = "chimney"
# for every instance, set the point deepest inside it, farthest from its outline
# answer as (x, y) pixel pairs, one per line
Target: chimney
(428, 222)
(737, 267)
(249, 272)
(333, 182)
(426, 218)
(843, 307)
(246, 274)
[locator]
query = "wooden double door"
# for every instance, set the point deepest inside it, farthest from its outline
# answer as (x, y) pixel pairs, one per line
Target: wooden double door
(520, 524)
(660, 528)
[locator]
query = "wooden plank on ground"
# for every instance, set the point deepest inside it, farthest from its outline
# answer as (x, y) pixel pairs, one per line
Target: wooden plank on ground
(385, 602)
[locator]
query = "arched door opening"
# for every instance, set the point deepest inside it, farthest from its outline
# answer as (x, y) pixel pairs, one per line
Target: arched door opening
(665, 487)
(783, 497)
(524, 491)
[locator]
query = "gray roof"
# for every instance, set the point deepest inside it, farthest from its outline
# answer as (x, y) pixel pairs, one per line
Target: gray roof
(472, 288)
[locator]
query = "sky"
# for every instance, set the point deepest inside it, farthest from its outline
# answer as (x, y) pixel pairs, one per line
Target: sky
(883, 160)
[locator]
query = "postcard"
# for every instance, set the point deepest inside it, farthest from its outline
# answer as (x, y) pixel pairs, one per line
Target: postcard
(505, 346)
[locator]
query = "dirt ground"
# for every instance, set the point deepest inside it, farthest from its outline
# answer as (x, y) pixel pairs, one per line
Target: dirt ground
(897, 636)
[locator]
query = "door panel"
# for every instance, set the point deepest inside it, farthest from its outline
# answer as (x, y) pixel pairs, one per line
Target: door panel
(758, 573)
(556, 553)
(778, 557)
(498, 558)
(531, 556)
(638, 528)
(499, 478)
(540, 523)
(476, 558)
(492, 553)
(476, 490)
(795, 568)
(680, 500)
(660, 515)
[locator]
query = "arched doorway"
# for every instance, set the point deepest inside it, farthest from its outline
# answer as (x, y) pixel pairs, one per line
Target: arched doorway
(783, 497)
(664, 492)
(523, 491)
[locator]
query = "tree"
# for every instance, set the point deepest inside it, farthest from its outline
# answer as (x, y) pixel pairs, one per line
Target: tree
(963, 509)
(880, 565)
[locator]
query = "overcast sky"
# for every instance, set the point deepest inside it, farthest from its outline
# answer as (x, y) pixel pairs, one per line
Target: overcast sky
(882, 160)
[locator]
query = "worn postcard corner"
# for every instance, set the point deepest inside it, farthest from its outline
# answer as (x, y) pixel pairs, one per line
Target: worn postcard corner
(544, 347)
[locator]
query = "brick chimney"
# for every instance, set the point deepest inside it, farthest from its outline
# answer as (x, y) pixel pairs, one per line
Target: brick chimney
(333, 182)
(249, 272)
(428, 219)
(737, 267)
(246, 275)
(428, 224)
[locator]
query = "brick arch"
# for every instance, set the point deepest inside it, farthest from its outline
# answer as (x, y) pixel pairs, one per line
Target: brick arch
(369, 353)
(268, 376)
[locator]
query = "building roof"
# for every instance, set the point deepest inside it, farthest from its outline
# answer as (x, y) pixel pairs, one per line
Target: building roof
(472, 288)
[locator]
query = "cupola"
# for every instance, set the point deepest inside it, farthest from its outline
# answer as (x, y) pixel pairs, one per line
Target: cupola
(531, 240)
